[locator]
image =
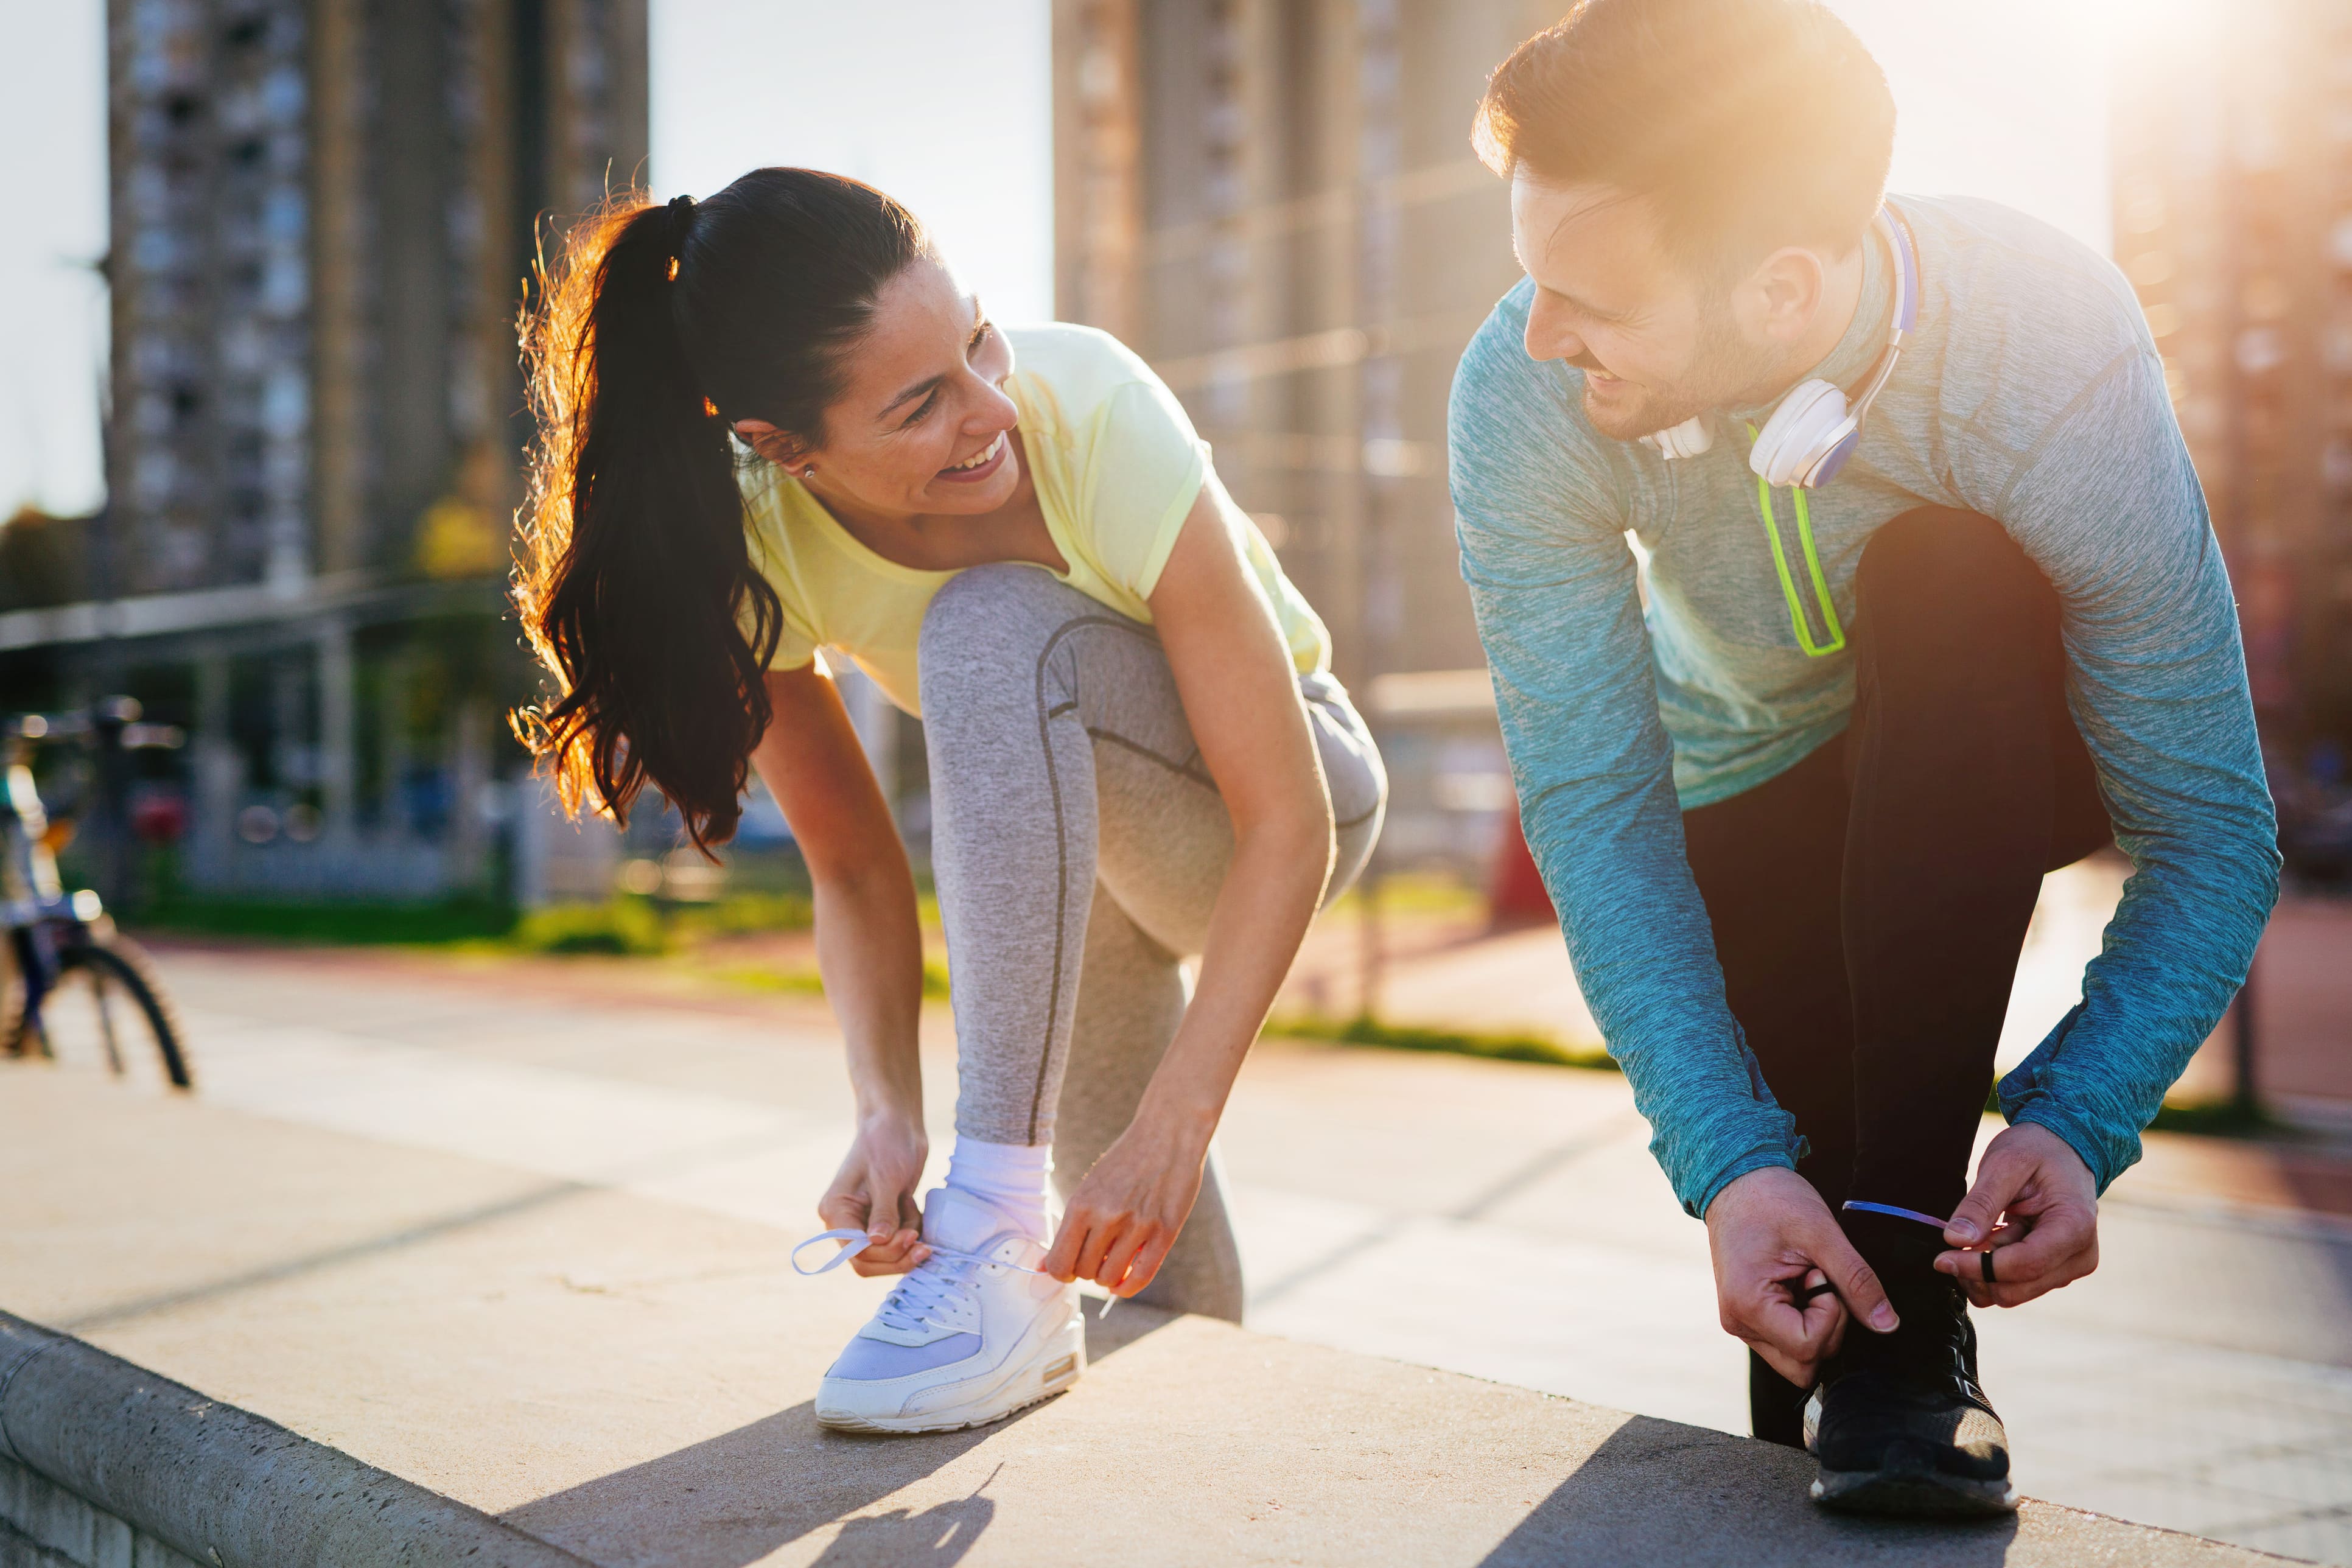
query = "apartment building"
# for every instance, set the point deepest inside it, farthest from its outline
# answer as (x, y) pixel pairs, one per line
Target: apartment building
(1275, 203)
(2232, 180)
(323, 214)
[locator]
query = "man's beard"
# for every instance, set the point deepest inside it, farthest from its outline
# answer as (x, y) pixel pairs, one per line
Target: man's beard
(1725, 372)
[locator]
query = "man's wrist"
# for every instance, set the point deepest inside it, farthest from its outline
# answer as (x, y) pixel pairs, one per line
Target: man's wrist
(2048, 1117)
(1747, 1165)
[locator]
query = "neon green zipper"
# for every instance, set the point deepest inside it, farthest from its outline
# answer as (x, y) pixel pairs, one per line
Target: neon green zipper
(1812, 565)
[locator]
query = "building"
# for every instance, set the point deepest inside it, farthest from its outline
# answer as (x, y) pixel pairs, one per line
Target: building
(1275, 203)
(322, 214)
(2232, 166)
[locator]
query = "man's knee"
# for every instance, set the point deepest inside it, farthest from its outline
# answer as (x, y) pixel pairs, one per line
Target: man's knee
(1939, 556)
(1938, 566)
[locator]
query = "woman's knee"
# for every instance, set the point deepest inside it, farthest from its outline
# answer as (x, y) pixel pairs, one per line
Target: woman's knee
(984, 606)
(988, 624)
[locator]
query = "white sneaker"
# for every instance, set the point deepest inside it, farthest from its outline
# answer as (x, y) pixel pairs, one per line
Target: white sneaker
(969, 1337)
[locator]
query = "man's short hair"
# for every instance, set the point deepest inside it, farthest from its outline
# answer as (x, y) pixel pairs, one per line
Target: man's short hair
(1749, 124)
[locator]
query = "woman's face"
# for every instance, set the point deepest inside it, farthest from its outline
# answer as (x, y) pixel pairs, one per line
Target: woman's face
(922, 425)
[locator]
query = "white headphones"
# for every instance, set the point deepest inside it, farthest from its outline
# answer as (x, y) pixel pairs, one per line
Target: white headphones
(1813, 431)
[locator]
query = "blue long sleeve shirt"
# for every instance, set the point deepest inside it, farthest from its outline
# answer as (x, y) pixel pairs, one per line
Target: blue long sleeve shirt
(2031, 393)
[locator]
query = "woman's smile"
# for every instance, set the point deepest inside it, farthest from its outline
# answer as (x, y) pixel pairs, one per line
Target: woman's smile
(981, 464)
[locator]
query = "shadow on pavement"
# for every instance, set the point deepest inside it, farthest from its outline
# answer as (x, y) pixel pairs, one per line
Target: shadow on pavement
(1658, 1491)
(735, 1499)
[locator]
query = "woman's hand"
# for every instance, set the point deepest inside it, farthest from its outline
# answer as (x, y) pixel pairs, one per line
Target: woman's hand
(875, 1192)
(869, 950)
(1126, 1213)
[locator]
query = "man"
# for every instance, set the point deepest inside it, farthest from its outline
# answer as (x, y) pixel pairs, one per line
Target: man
(1794, 760)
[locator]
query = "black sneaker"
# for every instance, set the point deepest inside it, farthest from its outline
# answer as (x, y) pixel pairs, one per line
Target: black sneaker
(1899, 1423)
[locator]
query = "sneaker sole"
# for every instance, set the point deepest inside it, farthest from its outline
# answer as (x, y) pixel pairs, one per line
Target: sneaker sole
(1912, 1495)
(1059, 1363)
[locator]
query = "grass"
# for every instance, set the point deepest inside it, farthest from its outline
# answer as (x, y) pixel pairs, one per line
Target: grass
(1414, 893)
(1492, 1047)
(626, 926)
(2201, 1118)
(808, 981)
(2217, 1119)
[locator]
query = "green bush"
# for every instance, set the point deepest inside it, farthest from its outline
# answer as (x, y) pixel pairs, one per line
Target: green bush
(745, 914)
(629, 927)
(355, 923)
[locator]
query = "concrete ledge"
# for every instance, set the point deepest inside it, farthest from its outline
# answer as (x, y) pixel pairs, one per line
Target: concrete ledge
(217, 1484)
(463, 1362)
(1363, 1461)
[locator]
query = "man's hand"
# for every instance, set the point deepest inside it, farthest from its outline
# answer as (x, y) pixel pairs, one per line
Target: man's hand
(1772, 1238)
(2051, 1234)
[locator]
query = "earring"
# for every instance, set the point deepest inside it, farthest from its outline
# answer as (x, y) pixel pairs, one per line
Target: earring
(809, 472)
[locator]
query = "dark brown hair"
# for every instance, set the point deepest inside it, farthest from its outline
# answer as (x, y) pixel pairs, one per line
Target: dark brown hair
(1749, 124)
(658, 327)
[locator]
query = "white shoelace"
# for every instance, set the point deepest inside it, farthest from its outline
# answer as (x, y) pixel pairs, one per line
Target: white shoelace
(923, 1290)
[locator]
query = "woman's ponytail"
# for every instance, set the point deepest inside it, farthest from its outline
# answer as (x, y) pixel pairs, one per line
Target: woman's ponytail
(636, 586)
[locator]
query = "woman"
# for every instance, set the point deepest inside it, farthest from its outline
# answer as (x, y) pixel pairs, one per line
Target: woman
(776, 423)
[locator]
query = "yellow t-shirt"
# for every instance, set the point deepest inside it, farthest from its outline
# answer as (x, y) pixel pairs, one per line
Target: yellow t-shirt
(1117, 467)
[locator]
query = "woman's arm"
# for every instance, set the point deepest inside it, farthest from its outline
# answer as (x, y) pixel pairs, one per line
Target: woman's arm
(868, 950)
(1240, 692)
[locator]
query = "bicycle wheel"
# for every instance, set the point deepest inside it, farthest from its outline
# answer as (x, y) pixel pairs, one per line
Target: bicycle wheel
(117, 966)
(12, 1042)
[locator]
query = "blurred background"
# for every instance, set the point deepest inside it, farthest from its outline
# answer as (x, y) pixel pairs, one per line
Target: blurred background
(260, 417)
(260, 436)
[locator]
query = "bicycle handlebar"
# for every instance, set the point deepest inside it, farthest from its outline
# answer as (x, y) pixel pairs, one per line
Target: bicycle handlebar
(113, 720)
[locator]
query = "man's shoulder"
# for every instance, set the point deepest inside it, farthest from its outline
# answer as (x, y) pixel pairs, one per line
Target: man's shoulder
(1496, 355)
(1517, 411)
(2011, 292)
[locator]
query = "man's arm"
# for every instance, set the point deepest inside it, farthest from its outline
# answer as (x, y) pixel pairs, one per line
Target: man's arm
(1541, 513)
(2108, 506)
(1540, 525)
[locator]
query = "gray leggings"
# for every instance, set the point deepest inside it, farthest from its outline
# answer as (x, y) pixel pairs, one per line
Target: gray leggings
(1078, 844)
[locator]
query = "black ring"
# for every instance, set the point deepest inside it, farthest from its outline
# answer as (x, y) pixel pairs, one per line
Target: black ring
(1984, 1266)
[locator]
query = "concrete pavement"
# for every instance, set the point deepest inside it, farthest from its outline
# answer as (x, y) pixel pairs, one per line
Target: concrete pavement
(1500, 1220)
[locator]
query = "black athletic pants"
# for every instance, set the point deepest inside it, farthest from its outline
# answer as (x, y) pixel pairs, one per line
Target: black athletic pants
(1869, 904)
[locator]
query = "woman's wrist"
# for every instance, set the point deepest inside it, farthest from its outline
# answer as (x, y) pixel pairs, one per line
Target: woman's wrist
(888, 1111)
(1186, 1115)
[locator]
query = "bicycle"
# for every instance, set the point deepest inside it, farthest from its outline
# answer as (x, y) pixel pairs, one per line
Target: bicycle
(49, 937)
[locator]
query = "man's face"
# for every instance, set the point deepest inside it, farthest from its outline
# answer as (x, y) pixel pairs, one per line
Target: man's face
(1657, 344)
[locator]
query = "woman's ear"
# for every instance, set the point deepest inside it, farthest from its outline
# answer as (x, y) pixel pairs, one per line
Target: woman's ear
(784, 451)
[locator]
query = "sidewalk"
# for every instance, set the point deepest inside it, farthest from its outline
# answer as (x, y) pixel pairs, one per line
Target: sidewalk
(1493, 1219)
(1446, 972)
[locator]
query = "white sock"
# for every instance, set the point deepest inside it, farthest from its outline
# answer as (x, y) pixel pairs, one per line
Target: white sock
(1009, 1177)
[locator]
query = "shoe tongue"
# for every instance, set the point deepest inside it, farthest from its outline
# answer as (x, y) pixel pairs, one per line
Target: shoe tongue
(1902, 1253)
(955, 1218)
(1893, 1247)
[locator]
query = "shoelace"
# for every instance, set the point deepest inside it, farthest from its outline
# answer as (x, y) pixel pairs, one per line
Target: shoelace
(922, 1292)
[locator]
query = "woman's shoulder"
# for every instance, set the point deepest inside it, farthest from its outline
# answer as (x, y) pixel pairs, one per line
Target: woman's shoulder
(770, 518)
(1083, 366)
